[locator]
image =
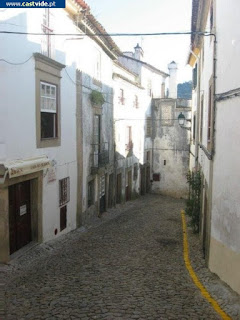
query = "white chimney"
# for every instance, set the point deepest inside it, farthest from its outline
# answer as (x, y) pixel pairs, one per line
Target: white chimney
(172, 67)
(138, 54)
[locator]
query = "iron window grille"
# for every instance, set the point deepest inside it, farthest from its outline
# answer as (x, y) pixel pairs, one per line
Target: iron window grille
(64, 191)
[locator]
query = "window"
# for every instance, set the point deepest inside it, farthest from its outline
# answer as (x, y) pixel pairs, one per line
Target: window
(148, 156)
(149, 127)
(121, 97)
(96, 129)
(156, 177)
(47, 88)
(64, 191)
(135, 102)
(47, 39)
(129, 143)
(48, 105)
(90, 193)
(64, 198)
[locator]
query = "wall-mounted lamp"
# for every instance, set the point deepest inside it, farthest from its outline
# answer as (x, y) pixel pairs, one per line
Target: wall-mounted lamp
(181, 121)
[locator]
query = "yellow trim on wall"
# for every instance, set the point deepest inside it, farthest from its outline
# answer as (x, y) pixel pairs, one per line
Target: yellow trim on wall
(193, 56)
(193, 275)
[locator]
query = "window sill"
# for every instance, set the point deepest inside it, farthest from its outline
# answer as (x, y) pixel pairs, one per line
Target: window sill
(49, 142)
(206, 151)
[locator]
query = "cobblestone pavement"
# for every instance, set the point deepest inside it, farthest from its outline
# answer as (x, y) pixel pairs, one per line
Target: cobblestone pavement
(129, 267)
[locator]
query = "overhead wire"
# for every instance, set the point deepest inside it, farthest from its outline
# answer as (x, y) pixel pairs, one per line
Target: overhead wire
(111, 34)
(16, 63)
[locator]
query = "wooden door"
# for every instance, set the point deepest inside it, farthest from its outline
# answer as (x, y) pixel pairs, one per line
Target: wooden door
(110, 191)
(102, 195)
(148, 184)
(129, 186)
(20, 232)
(143, 181)
(119, 188)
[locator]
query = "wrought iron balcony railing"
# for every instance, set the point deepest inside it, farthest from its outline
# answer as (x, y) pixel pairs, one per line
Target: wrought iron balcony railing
(100, 155)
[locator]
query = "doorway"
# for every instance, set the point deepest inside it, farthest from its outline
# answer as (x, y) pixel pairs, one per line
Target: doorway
(119, 188)
(148, 183)
(20, 231)
(143, 181)
(102, 195)
(110, 191)
(129, 185)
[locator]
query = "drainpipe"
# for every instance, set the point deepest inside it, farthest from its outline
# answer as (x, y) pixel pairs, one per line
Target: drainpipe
(197, 115)
(214, 92)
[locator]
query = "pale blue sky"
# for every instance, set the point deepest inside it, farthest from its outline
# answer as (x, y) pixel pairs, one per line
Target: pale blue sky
(138, 16)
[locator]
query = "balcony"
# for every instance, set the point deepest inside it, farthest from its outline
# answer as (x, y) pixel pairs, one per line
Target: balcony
(100, 156)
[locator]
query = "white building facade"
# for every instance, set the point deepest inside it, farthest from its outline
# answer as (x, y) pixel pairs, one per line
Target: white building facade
(216, 100)
(76, 124)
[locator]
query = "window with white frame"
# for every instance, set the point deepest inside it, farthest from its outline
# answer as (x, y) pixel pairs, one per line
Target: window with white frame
(48, 105)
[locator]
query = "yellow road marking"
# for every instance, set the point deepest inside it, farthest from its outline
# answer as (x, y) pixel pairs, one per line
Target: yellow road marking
(193, 275)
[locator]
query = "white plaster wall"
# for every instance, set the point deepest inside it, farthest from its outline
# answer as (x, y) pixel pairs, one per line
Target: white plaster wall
(132, 65)
(225, 214)
(226, 193)
(228, 45)
(18, 137)
(156, 81)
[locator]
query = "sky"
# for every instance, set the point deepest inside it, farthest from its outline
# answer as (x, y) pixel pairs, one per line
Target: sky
(149, 16)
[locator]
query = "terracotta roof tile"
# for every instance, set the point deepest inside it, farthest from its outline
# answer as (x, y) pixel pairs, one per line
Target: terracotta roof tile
(98, 28)
(83, 4)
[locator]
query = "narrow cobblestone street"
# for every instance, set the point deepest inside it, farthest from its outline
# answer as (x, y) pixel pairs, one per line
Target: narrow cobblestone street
(129, 267)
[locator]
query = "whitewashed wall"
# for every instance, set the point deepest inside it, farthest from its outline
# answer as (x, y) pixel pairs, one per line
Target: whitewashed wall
(18, 105)
(225, 241)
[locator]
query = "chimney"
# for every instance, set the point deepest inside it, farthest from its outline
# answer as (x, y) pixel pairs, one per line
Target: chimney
(138, 54)
(172, 67)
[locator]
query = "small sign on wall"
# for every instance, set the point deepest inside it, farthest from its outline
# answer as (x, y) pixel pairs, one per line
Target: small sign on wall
(23, 209)
(51, 176)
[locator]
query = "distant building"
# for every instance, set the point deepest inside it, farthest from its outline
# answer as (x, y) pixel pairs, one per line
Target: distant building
(152, 85)
(170, 141)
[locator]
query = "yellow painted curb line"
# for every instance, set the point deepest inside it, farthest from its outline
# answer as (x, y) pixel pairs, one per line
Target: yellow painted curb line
(193, 275)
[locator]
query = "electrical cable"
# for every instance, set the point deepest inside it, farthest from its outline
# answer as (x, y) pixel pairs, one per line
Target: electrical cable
(16, 63)
(111, 34)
